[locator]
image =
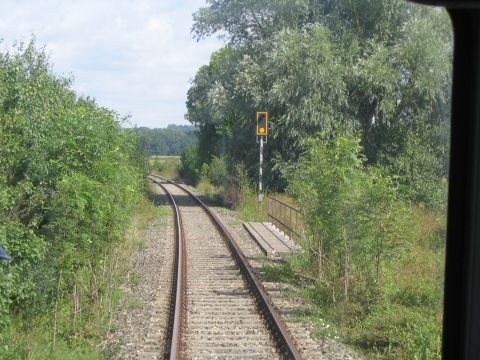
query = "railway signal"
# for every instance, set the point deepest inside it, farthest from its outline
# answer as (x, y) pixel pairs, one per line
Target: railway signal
(262, 123)
(262, 132)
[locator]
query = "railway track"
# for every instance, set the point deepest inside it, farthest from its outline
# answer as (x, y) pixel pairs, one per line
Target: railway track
(219, 309)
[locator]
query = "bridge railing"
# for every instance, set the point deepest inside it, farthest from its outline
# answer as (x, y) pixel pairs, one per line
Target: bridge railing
(287, 218)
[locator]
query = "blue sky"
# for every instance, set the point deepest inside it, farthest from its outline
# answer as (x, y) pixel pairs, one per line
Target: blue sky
(135, 57)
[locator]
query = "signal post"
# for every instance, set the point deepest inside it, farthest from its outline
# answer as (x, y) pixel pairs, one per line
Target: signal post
(262, 133)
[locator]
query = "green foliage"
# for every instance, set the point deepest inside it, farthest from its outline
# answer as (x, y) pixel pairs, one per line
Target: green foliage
(380, 69)
(239, 193)
(242, 190)
(244, 21)
(376, 261)
(213, 178)
(394, 330)
(24, 341)
(190, 164)
(208, 189)
(217, 171)
(353, 213)
(70, 178)
(303, 88)
(420, 172)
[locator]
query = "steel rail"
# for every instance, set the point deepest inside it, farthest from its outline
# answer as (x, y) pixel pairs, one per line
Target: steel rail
(281, 334)
(177, 299)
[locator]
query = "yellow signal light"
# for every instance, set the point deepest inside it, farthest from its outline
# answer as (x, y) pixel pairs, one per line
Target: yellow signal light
(262, 123)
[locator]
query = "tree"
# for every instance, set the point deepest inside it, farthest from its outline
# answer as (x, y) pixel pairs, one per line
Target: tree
(376, 68)
(245, 21)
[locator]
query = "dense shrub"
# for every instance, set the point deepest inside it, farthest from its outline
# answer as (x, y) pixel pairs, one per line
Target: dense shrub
(217, 171)
(421, 172)
(189, 169)
(69, 179)
(395, 330)
(167, 167)
(376, 258)
(357, 222)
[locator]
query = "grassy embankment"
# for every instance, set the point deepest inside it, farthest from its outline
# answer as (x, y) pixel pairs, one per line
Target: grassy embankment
(405, 320)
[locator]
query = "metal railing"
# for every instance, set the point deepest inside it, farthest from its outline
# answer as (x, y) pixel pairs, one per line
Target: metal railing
(286, 217)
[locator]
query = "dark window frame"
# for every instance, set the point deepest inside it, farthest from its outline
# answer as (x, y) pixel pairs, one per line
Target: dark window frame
(461, 323)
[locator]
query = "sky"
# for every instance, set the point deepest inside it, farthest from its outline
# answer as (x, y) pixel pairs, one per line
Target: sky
(135, 57)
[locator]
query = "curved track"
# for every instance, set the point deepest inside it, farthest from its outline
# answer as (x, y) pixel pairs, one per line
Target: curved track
(177, 300)
(224, 310)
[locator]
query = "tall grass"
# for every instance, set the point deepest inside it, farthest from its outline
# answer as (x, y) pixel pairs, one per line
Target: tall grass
(213, 192)
(249, 208)
(165, 166)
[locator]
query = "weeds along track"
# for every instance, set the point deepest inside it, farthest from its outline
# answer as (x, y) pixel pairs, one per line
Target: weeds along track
(221, 310)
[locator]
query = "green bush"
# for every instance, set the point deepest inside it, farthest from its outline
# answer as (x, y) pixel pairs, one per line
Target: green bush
(70, 177)
(377, 260)
(397, 331)
(420, 172)
(422, 292)
(167, 167)
(353, 213)
(217, 171)
(189, 168)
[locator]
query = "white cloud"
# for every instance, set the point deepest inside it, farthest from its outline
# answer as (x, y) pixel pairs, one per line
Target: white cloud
(135, 57)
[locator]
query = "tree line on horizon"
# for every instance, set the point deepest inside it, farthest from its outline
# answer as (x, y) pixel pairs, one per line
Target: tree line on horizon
(169, 141)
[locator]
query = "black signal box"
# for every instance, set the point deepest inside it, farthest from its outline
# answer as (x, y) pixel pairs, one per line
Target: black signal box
(262, 123)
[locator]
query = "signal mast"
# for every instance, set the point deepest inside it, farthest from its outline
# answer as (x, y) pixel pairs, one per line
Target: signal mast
(262, 133)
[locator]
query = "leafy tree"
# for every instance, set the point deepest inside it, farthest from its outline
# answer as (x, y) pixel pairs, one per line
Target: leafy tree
(378, 67)
(218, 112)
(303, 88)
(245, 21)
